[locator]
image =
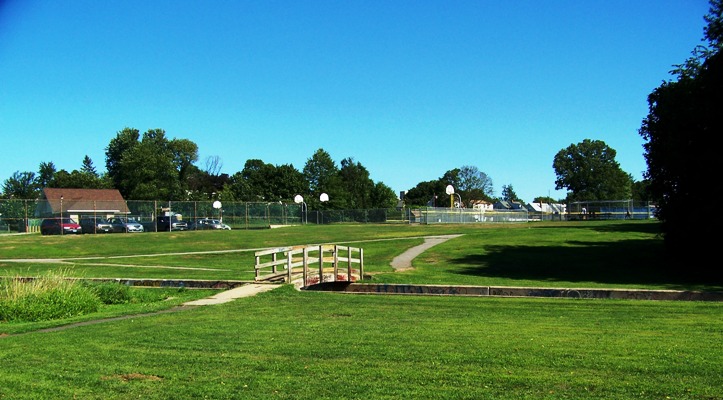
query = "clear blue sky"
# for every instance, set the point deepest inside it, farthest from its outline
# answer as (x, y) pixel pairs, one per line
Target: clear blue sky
(410, 89)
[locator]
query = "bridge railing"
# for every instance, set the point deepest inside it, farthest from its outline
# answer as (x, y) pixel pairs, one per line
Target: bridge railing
(310, 264)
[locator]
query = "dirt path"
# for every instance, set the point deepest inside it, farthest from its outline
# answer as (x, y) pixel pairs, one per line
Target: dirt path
(404, 260)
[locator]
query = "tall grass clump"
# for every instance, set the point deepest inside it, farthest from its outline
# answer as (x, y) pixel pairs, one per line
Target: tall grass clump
(111, 292)
(117, 293)
(48, 297)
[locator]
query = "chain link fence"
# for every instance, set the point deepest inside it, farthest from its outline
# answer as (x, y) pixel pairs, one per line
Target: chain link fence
(610, 209)
(18, 215)
(25, 215)
(441, 215)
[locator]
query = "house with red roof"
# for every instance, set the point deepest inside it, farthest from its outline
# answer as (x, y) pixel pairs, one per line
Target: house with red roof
(75, 203)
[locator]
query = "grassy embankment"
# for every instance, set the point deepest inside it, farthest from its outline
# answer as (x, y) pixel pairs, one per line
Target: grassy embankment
(291, 344)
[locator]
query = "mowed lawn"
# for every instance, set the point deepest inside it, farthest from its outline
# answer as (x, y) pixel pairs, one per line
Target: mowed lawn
(295, 344)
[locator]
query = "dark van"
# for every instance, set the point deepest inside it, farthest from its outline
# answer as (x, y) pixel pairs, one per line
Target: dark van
(170, 223)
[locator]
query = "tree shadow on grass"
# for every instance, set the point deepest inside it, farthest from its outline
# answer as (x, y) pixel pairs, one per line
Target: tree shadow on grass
(606, 226)
(631, 262)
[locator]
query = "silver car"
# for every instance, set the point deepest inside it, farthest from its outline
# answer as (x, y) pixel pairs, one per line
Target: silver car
(133, 226)
(129, 224)
(207, 223)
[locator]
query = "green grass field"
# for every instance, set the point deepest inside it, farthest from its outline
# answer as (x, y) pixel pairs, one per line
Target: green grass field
(292, 344)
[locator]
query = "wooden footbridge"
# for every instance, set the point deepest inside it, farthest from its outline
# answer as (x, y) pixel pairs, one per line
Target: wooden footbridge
(309, 265)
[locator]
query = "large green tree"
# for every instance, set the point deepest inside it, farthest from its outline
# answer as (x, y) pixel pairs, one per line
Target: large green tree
(46, 174)
(185, 154)
(76, 180)
(681, 133)
(154, 168)
(85, 178)
(21, 185)
(589, 172)
(360, 191)
(468, 182)
(427, 193)
(237, 187)
(382, 196)
(356, 183)
(118, 148)
(256, 174)
(322, 174)
(477, 184)
(288, 182)
(260, 181)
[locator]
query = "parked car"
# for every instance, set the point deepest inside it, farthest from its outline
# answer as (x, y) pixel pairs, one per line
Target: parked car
(95, 225)
(170, 223)
(118, 225)
(129, 224)
(60, 226)
(207, 223)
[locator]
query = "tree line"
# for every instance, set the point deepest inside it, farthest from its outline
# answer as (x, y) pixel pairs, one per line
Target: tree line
(152, 166)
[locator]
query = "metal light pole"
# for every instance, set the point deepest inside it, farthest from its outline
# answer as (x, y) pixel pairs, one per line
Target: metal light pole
(217, 205)
(61, 215)
(298, 199)
(323, 198)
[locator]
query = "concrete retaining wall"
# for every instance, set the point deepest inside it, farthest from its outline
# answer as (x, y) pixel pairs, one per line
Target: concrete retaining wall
(447, 290)
(442, 290)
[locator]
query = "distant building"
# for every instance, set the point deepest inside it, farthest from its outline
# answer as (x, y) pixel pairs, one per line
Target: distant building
(482, 205)
(509, 205)
(78, 202)
(547, 208)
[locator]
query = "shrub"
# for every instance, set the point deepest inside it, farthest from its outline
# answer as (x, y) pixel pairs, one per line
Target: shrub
(112, 293)
(148, 295)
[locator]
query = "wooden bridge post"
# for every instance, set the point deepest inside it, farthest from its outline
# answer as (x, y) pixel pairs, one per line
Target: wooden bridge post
(335, 260)
(288, 266)
(348, 264)
(321, 263)
(305, 261)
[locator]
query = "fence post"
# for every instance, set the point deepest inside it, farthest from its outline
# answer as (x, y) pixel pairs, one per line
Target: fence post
(348, 268)
(26, 216)
(321, 263)
(306, 266)
(288, 265)
(258, 261)
(336, 261)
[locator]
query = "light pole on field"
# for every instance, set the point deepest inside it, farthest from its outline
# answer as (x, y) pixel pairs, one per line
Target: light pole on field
(61, 215)
(298, 199)
(217, 205)
(322, 198)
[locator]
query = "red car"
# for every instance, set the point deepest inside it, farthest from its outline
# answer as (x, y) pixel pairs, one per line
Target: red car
(58, 226)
